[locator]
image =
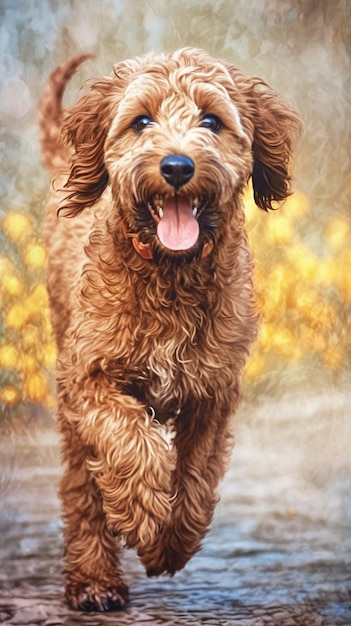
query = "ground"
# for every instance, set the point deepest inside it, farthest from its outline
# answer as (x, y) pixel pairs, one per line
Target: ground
(279, 552)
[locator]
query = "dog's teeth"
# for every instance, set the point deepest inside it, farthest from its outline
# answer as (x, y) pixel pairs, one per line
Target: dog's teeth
(195, 211)
(160, 212)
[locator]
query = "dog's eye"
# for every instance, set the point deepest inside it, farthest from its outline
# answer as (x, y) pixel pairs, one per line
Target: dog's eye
(212, 122)
(141, 122)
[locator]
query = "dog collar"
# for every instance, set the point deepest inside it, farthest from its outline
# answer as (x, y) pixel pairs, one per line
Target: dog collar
(144, 249)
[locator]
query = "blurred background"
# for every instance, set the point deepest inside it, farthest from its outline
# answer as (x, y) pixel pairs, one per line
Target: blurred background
(302, 48)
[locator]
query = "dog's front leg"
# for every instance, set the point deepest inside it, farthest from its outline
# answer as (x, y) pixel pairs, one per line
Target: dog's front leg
(129, 460)
(203, 444)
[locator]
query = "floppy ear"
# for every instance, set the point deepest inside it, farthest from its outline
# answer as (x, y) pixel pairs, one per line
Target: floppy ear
(274, 126)
(85, 127)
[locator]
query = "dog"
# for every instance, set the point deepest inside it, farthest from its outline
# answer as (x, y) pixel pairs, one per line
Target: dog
(150, 280)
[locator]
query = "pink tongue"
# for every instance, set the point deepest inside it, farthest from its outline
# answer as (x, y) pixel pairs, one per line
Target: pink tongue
(178, 229)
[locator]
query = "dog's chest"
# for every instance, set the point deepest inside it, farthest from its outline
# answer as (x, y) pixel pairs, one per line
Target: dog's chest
(172, 352)
(175, 371)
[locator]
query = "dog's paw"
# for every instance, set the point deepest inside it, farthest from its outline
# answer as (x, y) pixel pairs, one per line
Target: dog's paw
(96, 596)
(142, 527)
(138, 519)
(161, 558)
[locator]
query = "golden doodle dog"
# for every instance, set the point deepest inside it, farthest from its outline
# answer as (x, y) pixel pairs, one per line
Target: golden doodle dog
(150, 283)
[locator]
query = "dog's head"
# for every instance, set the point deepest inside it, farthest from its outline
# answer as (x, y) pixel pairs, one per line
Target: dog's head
(177, 137)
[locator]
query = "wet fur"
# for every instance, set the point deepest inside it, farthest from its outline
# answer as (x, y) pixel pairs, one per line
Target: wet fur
(140, 341)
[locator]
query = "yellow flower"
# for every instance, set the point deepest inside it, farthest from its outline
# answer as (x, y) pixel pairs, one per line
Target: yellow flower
(265, 334)
(35, 387)
(272, 290)
(30, 336)
(37, 302)
(279, 228)
(255, 367)
(34, 256)
(40, 295)
(29, 363)
(16, 225)
(10, 395)
(251, 208)
(304, 301)
(342, 275)
(49, 357)
(16, 316)
(50, 402)
(333, 358)
(297, 205)
(6, 267)
(283, 340)
(337, 233)
(305, 263)
(12, 284)
(325, 273)
(9, 357)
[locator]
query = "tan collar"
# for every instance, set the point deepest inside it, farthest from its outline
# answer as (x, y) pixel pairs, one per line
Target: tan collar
(144, 249)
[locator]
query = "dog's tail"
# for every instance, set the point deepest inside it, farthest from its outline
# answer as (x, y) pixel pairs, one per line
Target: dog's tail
(54, 152)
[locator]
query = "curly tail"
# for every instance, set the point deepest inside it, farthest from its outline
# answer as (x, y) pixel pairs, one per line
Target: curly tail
(54, 152)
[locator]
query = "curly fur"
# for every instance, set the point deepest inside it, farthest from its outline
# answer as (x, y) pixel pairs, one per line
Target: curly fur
(146, 340)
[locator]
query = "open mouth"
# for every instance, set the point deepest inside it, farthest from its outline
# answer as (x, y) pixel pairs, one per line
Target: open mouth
(176, 219)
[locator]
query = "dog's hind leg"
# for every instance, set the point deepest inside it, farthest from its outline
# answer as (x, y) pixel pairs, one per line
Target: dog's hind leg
(92, 573)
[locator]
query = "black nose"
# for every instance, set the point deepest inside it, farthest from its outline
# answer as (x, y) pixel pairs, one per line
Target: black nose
(177, 169)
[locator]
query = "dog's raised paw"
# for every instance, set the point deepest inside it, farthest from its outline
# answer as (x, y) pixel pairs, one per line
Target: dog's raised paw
(95, 597)
(140, 524)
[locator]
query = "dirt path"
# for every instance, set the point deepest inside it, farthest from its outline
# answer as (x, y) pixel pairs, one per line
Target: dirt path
(279, 552)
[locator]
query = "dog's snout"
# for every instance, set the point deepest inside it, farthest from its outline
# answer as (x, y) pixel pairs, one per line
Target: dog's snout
(177, 169)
